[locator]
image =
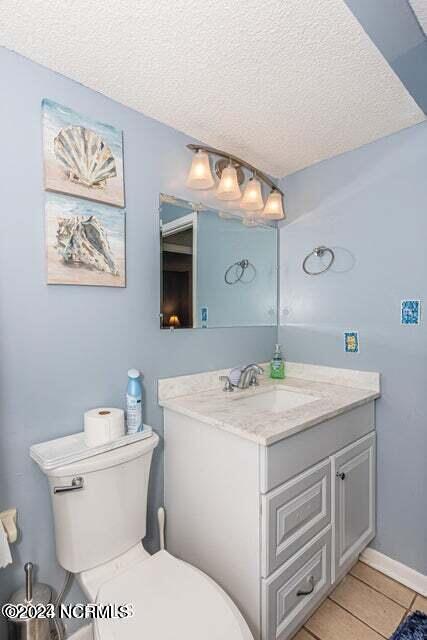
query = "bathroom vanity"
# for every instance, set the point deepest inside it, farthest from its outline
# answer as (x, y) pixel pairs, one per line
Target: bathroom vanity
(271, 490)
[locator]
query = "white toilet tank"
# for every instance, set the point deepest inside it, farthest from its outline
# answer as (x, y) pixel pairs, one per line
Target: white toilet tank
(107, 516)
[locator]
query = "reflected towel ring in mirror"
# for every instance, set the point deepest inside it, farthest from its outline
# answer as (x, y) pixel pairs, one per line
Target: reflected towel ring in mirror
(318, 252)
(241, 266)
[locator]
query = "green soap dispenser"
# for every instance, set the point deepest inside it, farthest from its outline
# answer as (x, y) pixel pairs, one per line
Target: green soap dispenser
(277, 365)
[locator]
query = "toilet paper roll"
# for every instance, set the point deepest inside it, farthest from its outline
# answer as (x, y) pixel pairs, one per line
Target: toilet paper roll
(103, 425)
(5, 555)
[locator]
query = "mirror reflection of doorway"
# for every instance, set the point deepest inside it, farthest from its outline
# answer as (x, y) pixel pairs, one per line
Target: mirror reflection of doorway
(199, 246)
(177, 277)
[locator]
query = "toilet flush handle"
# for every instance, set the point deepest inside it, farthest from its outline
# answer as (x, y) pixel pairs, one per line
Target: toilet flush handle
(76, 484)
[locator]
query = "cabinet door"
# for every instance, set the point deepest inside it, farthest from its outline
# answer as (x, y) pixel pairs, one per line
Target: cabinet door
(354, 471)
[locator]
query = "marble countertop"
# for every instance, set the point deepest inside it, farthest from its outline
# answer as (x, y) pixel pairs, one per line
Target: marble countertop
(225, 411)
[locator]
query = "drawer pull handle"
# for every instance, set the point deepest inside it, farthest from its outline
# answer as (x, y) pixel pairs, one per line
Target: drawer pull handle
(340, 475)
(307, 593)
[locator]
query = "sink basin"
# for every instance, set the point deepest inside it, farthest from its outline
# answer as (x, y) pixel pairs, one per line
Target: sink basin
(276, 400)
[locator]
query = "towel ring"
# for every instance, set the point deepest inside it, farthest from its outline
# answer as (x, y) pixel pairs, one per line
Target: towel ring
(243, 265)
(318, 252)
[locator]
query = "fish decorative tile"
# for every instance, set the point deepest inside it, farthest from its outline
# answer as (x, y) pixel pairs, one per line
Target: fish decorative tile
(410, 312)
(204, 317)
(351, 341)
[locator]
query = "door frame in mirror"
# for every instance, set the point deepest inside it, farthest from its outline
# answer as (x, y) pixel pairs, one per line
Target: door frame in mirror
(189, 221)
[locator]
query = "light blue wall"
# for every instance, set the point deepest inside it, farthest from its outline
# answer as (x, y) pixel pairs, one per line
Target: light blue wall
(65, 349)
(169, 212)
(396, 32)
(221, 243)
(370, 205)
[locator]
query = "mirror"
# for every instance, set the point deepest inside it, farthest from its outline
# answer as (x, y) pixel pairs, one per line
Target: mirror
(214, 270)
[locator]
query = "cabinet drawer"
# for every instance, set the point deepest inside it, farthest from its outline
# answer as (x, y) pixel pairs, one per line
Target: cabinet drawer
(293, 591)
(293, 514)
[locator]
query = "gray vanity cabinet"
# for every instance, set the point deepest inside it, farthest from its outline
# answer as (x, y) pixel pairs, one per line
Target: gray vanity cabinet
(276, 526)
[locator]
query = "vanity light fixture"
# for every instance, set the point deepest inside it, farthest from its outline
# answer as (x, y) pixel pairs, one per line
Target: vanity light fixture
(200, 175)
(229, 170)
(250, 220)
(252, 196)
(273, 209)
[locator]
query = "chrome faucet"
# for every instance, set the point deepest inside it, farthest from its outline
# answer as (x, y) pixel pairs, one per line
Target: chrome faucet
(249, 376)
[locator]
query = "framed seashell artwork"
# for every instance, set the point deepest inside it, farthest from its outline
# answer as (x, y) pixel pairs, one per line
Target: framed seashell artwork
(82, 157)
(85, 242)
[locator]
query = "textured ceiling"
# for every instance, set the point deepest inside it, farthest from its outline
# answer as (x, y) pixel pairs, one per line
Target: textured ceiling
(420, 10)
(282, 83)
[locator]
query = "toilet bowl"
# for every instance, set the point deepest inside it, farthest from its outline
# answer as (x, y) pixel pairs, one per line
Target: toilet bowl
(99, 507)
(171, 600)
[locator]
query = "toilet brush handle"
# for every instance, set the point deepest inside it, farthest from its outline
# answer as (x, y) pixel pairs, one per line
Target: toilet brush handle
(28, 568)
(161, 521)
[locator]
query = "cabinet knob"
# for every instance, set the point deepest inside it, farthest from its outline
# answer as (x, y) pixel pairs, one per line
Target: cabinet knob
(340, 475)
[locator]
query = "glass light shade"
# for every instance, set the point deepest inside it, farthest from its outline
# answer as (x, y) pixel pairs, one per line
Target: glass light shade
(273, 209)
(200, 175)
(250, 220)
(228, 188)
(252, 196)
(174, 321)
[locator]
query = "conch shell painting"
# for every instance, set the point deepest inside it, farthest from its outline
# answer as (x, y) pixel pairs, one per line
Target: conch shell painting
(82, 157)
(85, 242)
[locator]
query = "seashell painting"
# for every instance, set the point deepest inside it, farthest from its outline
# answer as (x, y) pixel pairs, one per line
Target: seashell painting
(85, 156)
(85, 242)
(82, 157)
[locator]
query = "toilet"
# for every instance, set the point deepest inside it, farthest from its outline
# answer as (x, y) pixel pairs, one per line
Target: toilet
(99, 508)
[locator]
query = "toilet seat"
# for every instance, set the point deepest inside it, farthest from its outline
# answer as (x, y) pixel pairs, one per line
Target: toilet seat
(172, 600)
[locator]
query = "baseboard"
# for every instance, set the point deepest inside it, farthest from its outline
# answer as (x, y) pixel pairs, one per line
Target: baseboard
(396, 570)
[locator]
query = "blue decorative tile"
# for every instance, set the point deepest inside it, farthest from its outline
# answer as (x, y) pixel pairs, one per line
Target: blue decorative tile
(351, 341)
(203, 317)
(410, 312)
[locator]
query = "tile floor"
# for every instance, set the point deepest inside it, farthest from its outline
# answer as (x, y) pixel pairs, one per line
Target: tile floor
(366, 605)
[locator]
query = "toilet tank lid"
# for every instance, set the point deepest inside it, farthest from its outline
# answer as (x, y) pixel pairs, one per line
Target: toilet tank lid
(57, 453)
(170, 599)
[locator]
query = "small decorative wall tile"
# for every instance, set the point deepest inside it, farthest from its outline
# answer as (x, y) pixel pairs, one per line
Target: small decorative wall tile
(203, 317)
(410, 312)
(351, 341)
